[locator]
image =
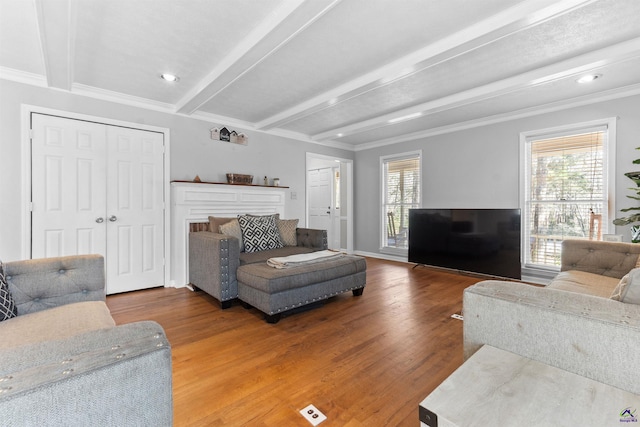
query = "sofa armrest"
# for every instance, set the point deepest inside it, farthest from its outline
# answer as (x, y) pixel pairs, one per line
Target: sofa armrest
(590, 336)
(312, 238)
(611, 259)
(213, 261)
(39, 284)
(115, 376)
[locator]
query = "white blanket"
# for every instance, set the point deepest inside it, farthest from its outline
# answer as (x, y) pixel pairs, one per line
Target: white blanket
(302, 259)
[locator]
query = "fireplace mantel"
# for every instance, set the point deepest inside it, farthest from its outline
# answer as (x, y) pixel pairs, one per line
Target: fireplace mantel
(195, 202)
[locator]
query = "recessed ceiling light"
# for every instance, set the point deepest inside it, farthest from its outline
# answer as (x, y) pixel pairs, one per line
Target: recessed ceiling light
(407, 117)
(589, 78)
(169, 77)
(340, 135)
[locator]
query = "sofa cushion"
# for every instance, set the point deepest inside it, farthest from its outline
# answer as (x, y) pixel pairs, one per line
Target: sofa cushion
(287, 229)
(263, 256)
(7, 304)
(585, 283)
(55, 323)
(628, 289)
(273, 280)
(259, 233)
(232, 228)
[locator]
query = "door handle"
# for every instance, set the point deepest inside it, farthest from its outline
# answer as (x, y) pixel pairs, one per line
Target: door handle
(113, 218)
(99, 220)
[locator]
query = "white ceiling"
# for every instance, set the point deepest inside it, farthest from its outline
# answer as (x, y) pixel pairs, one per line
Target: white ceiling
(329, 71)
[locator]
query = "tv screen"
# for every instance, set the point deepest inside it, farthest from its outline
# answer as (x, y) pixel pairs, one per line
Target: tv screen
(485, 241)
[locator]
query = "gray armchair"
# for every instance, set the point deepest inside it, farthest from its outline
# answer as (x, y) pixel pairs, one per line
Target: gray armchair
(65, 362)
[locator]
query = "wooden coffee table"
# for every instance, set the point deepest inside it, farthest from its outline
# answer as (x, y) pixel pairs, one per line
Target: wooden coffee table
(498, 388)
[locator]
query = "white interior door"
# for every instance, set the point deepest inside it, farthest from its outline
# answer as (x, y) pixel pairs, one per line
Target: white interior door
(321, 202)
(68, 187)
(135, 209)
(99, 189)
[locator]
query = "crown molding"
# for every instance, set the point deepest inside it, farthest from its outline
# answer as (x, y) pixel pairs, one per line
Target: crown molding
(31, 79)
(121, 98)
(116, 97)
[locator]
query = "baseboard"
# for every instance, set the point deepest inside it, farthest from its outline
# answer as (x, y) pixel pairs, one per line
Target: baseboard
(382, 256)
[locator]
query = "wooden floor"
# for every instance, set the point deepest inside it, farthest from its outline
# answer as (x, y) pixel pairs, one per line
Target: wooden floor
(362, 361)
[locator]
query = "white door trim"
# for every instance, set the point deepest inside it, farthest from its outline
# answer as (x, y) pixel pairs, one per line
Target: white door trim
(26, 111)
(349, 177)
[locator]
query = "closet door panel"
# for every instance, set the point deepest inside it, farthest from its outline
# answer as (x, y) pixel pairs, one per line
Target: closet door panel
(135, 209)
(68, 187)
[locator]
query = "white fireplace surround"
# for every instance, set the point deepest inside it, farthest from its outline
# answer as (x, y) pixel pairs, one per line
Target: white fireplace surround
(195, 202)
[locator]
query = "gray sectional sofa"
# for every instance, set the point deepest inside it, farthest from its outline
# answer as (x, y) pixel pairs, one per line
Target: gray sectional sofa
(219, 267)
(572, 323)
(65, 362)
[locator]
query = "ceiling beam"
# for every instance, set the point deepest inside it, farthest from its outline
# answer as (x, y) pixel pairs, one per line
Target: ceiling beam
(580, 101)
(517, 18)
(276, 31)
(571, 67)
(56, 28)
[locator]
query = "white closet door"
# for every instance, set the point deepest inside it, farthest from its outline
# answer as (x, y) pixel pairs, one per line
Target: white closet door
(135, 209)
(99, 189)
(68, 187)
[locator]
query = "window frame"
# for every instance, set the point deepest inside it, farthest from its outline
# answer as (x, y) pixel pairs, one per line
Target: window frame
(383, 248)
(609, 151)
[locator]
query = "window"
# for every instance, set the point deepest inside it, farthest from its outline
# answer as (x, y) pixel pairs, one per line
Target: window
(566, 189)
(400, 192)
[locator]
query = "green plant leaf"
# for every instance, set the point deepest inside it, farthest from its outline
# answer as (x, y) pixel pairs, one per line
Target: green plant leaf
(635, 177)
(627, 220)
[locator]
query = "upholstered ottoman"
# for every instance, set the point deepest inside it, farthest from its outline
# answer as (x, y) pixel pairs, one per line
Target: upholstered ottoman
(274, 291)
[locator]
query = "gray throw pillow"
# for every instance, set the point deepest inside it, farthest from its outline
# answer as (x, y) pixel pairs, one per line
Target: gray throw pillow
(8, 307)
(259, 233)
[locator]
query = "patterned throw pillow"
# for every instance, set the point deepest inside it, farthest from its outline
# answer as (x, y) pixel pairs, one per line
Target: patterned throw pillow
(232, 228)
(259, 233)
(287, 229)
(8, 307)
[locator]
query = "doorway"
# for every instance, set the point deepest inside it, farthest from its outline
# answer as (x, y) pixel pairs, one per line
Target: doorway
(99, 188)
(329, 198)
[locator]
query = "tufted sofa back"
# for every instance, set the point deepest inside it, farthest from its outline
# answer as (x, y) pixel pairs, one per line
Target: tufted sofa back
(311, 238)
(610, 259)
(39, 284)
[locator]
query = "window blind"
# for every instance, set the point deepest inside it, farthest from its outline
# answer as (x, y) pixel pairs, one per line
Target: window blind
(566, 191)
(401, 192)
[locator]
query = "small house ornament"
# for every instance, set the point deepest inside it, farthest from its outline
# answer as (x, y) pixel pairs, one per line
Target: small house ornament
(225, 135)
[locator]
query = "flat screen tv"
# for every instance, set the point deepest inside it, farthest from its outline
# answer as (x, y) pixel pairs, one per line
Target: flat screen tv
(485, 241)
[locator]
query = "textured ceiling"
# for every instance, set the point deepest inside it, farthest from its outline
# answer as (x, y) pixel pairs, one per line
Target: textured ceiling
(330, 71)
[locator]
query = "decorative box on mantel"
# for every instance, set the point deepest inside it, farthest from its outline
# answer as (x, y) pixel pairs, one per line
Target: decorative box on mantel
(195, 202)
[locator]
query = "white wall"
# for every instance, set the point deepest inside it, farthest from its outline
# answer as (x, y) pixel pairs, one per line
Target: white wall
(479, 168)
(192, 151)
(472, 168)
